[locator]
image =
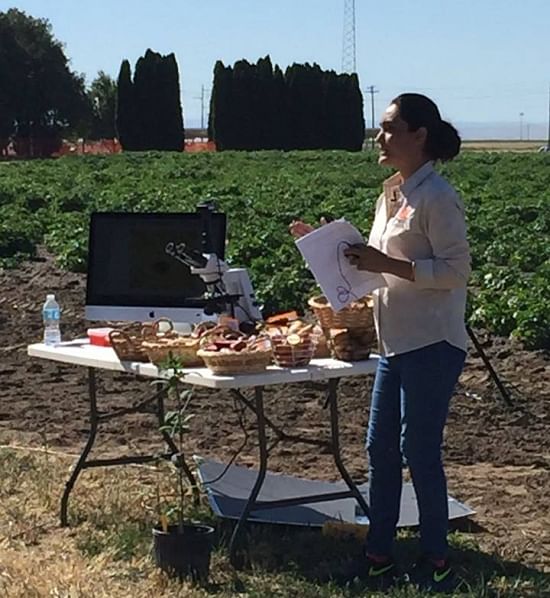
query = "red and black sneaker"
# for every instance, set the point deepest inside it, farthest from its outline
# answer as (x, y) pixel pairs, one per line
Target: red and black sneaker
(435, 576)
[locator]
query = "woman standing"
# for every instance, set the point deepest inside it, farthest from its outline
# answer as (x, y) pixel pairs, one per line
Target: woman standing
(418, 241)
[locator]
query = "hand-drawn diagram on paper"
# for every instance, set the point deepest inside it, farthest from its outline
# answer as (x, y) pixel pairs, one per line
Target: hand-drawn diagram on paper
(323, 251)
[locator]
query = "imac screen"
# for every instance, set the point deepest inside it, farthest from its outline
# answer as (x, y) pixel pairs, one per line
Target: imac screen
(128, 264)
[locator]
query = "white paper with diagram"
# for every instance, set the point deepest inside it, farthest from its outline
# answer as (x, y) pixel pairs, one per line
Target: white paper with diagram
(323, 251)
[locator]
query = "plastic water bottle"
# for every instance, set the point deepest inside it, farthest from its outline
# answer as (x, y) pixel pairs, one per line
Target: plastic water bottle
(51, 314)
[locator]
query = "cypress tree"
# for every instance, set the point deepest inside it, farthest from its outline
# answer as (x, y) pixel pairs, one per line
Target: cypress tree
(157, 103)
(218, 106)
(340, 112)
(332, 109)
(212, 108)
(169, 106)
(294, 102)
(257, 80)
(146, 96)
(245, 120)
(279, 111)
(315, 108)
(355, 125)
(221, 121)
(264, 104)
(305, 106)
(344, 110)
(126, 124)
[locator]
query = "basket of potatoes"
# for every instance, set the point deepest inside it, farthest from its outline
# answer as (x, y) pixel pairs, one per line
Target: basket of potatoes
(350, 332)
(352, 344)
(181, 347)
(357, 314)
(293, 343)
(228, 351)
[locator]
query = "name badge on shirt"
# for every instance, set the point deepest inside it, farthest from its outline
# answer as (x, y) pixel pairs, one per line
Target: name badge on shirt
(404, 212)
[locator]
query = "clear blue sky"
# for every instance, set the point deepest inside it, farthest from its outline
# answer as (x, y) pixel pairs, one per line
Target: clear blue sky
(483, 61)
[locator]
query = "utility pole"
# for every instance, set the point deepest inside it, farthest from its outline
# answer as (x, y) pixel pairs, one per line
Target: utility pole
(521, 126)
(548, 138)
(371, 90)
(201, 98)
(202, 107)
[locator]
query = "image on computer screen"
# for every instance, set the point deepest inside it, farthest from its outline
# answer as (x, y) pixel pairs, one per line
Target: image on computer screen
(128, 263)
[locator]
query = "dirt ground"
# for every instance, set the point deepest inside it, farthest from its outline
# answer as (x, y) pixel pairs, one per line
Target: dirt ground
(504, 145)
(498, 457)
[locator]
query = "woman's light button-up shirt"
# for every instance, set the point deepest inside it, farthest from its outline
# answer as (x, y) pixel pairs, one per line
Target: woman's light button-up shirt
(421, 220)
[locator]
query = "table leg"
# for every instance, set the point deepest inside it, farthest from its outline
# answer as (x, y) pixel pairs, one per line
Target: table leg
(262, 442)
(333, 403)
(94, 419)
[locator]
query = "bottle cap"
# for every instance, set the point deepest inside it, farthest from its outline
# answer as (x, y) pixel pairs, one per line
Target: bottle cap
(50, 296)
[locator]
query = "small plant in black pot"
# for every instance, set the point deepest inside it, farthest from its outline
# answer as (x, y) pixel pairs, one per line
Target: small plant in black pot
(181, 547)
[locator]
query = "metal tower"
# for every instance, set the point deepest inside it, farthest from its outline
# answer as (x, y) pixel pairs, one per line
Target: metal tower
(348, 39)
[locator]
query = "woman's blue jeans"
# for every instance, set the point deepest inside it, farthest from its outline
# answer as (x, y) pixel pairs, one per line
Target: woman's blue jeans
(409, 408)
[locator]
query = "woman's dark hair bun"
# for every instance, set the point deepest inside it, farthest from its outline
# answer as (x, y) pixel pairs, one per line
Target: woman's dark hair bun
(417, 110)
(443, 143)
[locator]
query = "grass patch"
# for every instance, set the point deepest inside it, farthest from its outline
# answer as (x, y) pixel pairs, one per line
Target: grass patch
(123, 542)
(106, 551)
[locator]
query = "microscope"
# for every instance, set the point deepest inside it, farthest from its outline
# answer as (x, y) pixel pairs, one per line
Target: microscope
(228, 290)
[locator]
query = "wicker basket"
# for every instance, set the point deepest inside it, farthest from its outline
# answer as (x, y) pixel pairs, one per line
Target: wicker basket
(127, 341)
(322, 350)
(356, 315)
(182, 348)
(241, 362)
(161, 327)
(127, 346)
(287, 356)
(351, 344)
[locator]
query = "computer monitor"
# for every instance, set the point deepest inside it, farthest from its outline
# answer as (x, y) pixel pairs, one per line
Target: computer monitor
(131, 277)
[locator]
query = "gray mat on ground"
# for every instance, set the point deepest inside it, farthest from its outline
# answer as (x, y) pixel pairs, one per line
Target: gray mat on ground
(228, 496)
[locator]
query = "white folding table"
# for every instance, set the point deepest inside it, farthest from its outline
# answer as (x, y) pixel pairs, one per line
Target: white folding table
(327, 372)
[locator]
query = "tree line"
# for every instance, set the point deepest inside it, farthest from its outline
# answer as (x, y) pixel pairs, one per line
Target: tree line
(252, 106)
(41, 99)
(256, 107)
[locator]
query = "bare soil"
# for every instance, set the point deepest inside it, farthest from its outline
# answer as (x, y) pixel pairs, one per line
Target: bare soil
(498, 457)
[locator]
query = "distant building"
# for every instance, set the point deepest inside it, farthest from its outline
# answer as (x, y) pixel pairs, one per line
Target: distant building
(198, 134)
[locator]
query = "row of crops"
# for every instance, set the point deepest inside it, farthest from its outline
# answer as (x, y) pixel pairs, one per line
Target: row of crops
(507, 197)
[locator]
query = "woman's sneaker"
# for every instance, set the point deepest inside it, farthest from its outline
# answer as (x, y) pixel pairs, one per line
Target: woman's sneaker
(381, 575)
(431, 576)
(374, 573)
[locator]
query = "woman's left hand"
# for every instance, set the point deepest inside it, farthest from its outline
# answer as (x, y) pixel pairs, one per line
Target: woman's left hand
(365, 257)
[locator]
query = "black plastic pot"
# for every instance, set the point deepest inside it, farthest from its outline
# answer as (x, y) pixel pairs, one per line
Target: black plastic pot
(185, 552)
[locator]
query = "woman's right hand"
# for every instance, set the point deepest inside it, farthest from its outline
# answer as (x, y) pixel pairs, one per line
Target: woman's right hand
(299, 229)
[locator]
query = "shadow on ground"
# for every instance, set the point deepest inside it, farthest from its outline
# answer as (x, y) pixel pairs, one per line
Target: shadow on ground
(328, 556)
